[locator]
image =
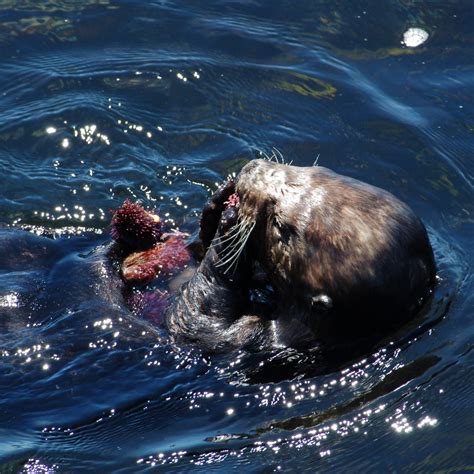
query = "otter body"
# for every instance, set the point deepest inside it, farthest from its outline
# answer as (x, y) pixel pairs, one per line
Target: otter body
(342, 258)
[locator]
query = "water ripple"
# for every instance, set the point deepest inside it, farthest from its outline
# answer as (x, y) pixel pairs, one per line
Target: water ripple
(161, 101)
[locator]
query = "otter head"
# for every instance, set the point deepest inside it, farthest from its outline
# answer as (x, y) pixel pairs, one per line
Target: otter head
(329, 242)
(281, 202)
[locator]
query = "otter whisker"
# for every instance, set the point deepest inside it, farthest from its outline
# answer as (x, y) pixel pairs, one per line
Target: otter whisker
(315, 163)
(239, 252)
(226, 254)
(232, 255)
(231, 235)
(230, 260)
(280, 154)
(266, 157)
(275, 157)
(234, 242)
(233, 246)
(229, 248)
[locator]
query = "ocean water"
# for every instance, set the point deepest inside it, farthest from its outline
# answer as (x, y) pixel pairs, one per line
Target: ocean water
(159, 101)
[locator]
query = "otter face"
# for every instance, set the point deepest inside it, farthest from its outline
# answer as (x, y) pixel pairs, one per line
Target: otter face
(281, 201)
(262, 184)
(288, 193)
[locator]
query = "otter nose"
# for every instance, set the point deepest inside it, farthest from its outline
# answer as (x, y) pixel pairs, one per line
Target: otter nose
(252, 166)
(249, 167)
(322, 304)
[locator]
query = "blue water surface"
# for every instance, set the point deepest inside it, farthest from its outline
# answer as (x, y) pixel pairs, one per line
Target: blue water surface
(159, 101)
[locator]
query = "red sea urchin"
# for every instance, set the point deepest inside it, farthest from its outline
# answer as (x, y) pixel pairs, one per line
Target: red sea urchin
(165, 258)
(146, 252)
(135, 227)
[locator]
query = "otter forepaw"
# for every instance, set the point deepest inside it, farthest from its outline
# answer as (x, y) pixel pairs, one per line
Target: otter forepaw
(212, 212)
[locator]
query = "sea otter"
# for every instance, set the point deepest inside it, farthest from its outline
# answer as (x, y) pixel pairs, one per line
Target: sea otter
(338, 257)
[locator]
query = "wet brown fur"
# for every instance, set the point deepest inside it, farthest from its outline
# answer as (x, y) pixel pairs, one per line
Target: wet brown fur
(344, 258)
(320, 235)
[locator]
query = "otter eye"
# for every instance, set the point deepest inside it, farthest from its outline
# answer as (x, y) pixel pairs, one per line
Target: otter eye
(285, 230)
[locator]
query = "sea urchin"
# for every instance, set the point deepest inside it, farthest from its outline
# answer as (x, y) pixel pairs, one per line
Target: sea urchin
(135, 227)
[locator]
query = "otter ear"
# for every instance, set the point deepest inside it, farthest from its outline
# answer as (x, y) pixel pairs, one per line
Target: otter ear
(321, 303)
